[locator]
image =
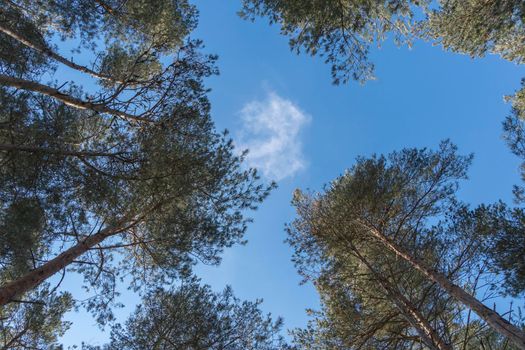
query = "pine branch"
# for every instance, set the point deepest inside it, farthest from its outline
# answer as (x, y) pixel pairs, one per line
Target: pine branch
(68, 99)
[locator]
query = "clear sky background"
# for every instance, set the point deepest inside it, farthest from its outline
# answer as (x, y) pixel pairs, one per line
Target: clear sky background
(303, 132)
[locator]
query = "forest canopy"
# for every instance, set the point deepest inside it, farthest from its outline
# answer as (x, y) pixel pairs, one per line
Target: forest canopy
(115, 180)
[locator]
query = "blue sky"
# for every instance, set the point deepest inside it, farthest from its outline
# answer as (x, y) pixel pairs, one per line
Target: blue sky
(304, 132)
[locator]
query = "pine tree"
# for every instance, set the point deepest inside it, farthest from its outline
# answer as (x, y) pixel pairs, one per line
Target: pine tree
(392, 233)
(193, 317)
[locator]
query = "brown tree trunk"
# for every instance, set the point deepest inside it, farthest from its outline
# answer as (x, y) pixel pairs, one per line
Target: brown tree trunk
(33, 278)
(67, 99)
(498, 323)
(106, 7)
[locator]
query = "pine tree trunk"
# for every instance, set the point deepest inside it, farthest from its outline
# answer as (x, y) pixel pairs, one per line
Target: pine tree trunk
(106, 7)
(35, 277)
(498, 323)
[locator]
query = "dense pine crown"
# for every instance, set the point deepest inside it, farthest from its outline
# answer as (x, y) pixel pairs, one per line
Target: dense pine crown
(477, 27)
(193, 317)
(123, 165)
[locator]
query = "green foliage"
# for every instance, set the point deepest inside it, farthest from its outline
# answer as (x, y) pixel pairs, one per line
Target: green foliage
(478, 27)
(193, 317)
(16, 58)
(514, 134)
(160, 24)
(22, 224)
(342, 30)
(503, 231)
(36, 324)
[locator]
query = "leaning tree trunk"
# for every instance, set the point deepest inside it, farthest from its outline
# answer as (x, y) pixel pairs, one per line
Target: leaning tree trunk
(428, 334)
(33, 278)
(498, 323)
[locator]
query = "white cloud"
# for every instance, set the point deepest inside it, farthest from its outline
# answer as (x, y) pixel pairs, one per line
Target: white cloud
(271, 132)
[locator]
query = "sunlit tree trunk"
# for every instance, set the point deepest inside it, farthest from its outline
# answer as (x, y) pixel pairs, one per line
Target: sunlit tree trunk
(35, 277)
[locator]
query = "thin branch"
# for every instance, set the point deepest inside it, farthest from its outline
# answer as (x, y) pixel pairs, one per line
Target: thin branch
(37, 149)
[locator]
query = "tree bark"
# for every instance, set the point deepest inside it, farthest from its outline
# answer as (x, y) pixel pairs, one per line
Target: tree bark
(33, 278)
(67, 99)
(498, 323)
(106, 7)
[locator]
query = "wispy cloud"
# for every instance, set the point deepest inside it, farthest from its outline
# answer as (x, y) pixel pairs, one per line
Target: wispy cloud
(271, 132)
